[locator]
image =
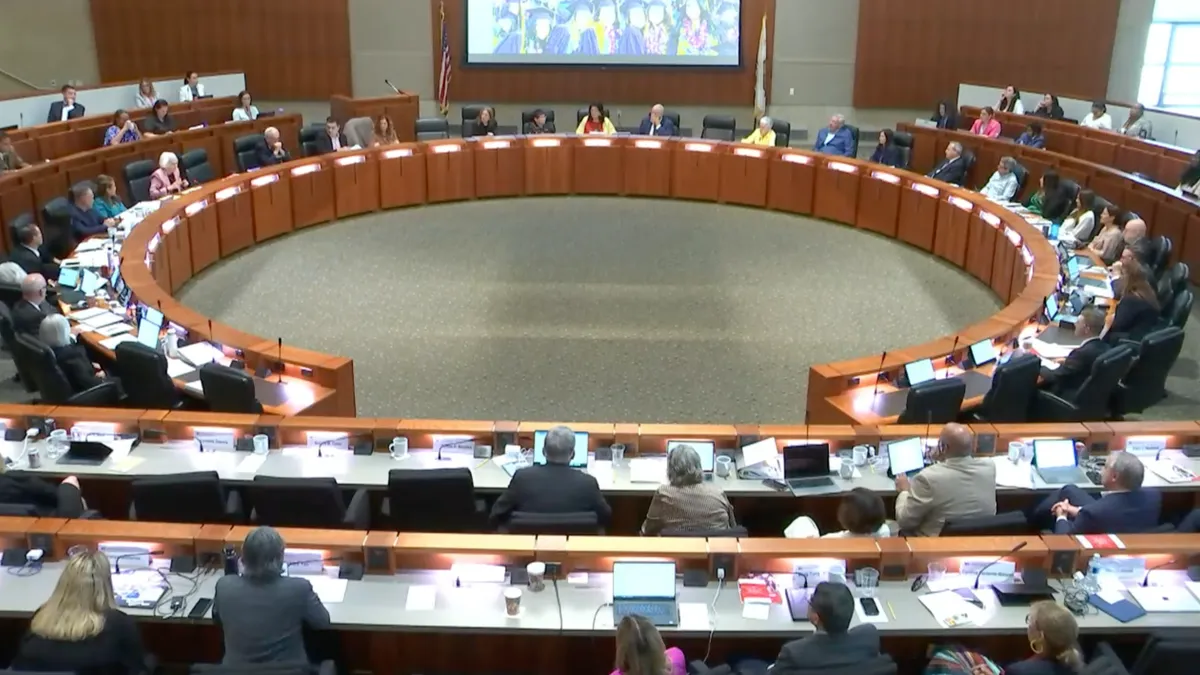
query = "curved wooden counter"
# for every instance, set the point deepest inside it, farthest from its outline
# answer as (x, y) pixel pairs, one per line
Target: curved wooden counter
(190, 233)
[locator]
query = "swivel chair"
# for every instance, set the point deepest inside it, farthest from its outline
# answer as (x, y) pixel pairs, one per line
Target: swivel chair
(137, 179)
(228, 390)
(719, 127)
(933, 402)
(307, 502)
(451, 492)
(196, 497)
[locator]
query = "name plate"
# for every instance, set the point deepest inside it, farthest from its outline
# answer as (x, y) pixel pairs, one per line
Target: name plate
(215, 439)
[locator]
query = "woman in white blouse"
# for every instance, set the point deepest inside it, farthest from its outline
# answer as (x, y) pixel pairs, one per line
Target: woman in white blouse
(861, 513)
(146, 95)
(1010, 101)
(246, 111)
(1098, 118)
(1077, 228)
(191, 89)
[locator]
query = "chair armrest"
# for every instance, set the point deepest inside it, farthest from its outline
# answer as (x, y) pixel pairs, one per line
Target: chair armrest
(358, 512)
(1052, 408)
(699, 667)
(105, 394)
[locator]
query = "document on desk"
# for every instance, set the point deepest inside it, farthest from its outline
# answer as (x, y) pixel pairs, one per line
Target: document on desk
(420, 598)
(112, 342)
(1049, 350)
(177, 368)
(648, 470)
(328, 589)
(1165, 599)
(693, 616)
(950, 610)
(85, 314)
(115, 329)
(101, 320)
(1019, 475)
(200, 353)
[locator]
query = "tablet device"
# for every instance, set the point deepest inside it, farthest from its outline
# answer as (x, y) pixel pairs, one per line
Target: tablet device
(1052, 306)
(148, 333)
(578, 460)
(92, 282)
(905, 457)
(706, 449)
(983, 352)
(918, 372)
(152, 315)
(68, 277)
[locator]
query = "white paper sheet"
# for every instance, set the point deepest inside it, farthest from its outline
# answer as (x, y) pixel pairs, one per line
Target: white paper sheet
(950, 610)
(420, 598)
(102, 320)
(693, 616)
(85, 314)
(112, 342)
(648, 470)
(1019, 475)
(251, 464)
(328, 589)
(115, 329)
(1050, 350)
(756, 610)
(863, 617)
(200, 353)
(177, 368)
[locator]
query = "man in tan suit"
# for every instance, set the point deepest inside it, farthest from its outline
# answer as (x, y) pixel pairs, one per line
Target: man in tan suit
(958, 485)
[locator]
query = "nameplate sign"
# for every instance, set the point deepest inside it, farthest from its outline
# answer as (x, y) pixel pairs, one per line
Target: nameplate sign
(215, 438)
(339, 440)
(398, 152)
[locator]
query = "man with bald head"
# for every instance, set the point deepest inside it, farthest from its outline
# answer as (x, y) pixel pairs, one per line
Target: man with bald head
(657, 123)
(957, 485)
(271, 150)
(28, 312)
(1123, 507)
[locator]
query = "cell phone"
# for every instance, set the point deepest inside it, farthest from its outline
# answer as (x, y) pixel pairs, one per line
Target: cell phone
(200, 609)
(870, 607)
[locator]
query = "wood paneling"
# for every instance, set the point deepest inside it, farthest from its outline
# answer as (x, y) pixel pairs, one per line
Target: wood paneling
(609, 84)
(913, 53)
(289, 49)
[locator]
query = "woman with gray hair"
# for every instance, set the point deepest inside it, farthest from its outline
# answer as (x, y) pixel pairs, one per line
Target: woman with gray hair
(11, 273)
(73, 360)
(687, 502)
(263, 613)
(1002, 186)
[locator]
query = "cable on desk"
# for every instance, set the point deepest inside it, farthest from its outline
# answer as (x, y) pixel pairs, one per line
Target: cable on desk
(713, 606)
(558, 601)
(29, 569)
(597, 614)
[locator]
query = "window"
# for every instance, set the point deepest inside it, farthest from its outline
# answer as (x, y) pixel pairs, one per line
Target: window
(1171, 68)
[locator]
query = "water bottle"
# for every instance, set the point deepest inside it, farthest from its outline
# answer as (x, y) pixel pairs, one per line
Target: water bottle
(31, 452)
(1092, 580)
(171, 343)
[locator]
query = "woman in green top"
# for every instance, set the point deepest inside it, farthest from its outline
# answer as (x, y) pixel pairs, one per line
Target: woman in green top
(107, 204)
(1053, 201)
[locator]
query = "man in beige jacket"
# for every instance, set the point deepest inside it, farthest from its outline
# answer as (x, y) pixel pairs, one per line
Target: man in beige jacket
(958, 485)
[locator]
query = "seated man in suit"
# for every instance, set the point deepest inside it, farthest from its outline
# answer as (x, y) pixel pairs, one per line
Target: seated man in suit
(553, 487)
(28, 312)
(332, 140)
(67, 108)
(538, 124)
(31, 255)
(957, 485)
(84, 221)
(271, 151)
(832, 646)
(835, 139)
(655, 124)
(9, 159)
(1065, 380)
(1124, 507)
(953, 169)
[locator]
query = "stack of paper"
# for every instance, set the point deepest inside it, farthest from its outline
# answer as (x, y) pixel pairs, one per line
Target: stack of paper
(950, 610)
(112, 342)
(648, 470)
(1050, 350)
(1019, 475)
(1170, 471)
(85, 314)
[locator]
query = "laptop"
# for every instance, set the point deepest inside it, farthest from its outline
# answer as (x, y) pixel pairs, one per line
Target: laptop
(1076, 303)
(1052, 302)
(91, 453)
(68, 285)
(147, 333)
(91, 283)
(706, 449)
(578, 460)
(918, 372)
(806, 467)
(645, 588)
(1056, 461)
(983, 353)
(905, 457)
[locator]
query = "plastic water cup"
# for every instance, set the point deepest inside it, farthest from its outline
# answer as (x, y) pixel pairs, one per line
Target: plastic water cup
(618, 452)
(936, 571)
(879, 464)
(60, 443)
(398, 448)
(867, 580)
(262, 444)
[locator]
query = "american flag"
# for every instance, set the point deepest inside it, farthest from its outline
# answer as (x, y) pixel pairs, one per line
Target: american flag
(444, 81)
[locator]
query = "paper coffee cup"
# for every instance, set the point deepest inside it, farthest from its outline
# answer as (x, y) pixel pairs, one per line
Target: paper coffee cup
(512, 601)
(537, 576)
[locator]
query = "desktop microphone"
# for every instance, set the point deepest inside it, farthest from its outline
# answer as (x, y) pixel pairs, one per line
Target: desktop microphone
(1014, 549)
(211, 338)
(116, 561)
(281, 360)
(1146, 581)
(388, 83)
(950, 360)
(925, 439)
(877, 376)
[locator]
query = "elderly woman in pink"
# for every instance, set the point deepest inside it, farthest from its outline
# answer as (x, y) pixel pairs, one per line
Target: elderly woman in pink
(641, 651)
(167, 178)
(986, 125)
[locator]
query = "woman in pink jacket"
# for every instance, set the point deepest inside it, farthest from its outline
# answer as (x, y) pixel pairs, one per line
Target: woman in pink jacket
(986, 125)
(640, 650)
(166, 180)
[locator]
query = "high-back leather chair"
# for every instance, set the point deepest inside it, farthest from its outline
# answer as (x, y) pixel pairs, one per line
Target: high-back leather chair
(195, 497)
(195, 166)
(854, 134)
(1180, 275)
(718, 127)
(1163, 653)
(469, 114)
(1014, 387)
(525, 522)
(933, 402)
(968, 158)
(1146, 382)
(903, 142)
(527, 119)
(1091, 402)
(737, 531)
(53, 386)
(1001, 524)
(1164, 289)
(783, 132)
(10, 294)
(1162, 248)
(675, 119)
(583, 112)
(1022, 175)
(56, 227)
(1071, 187)
(307, 502)
(1180, 309)
(308, 138)
(432, 128)
(143, 375)
(9, 336)
(137, 179)
(360, 131)
(245, 149)
(228, 390)
(412, 491)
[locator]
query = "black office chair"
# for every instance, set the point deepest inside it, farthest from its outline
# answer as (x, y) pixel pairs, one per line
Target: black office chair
(1180, 275)
(524, 522)
(10, 294)
(469, 114)
(934, 402)
(228, 390)
(854, 134)
(1014, 387)
(137, 179)
(1001, 524)
(1090, 403)
(143, 375)
(324, 668)
(1146, 382)
(968, 158)
(1022, 175)
(245, 149)
(880, 665)
(583, 112)
(309, 149)
(1176, 315)
(18, 511)
(310, 132)
(184, 498)
(699, 667)
(196, 167)
(718, 127)
(783, 132)
(1164, 290)
(676, 119)
(738, 531)
(903, 142)
(432, 128)
(412, 491)
(1071, 187)
(53, 387)
(527, 119)
(9, 336)
(307, 502)
(1104, 665)
(56, 227)
(1162, 255)
(1163, 653)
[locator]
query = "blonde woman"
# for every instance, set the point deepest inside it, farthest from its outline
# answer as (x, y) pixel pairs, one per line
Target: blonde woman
(146, 95)
(641, 651)
(1054, 638)
(80, 629)
(64, 501)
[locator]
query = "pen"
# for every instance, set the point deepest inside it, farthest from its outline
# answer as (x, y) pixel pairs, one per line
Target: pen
(890, 610)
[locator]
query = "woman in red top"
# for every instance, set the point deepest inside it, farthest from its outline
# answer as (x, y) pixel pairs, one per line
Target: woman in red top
(596, 122)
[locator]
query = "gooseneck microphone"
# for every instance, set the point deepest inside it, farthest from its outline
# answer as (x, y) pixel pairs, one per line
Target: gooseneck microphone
(281, 360)
(116, 561)
(389, 83)
(1014, 549)
(1146, 581)
(877, 376)
(950, 360)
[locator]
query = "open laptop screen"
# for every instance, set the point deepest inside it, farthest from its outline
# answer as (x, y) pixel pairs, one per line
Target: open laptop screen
(706, 449)
(806, 461)
(906, 456)
(68, 277)
(1054, 453)
(919, 371)
(644, 580)
(983, 352)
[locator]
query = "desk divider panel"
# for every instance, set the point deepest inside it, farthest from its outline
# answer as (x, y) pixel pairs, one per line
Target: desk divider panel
(836, 196)
(918, 214)
(696, 173)
(597, 554)
(312, 194)
(181, 425)
(1002, 262)
(176, 238)
(402, 177)
(599, 165)
(422, 434)
(204, 234)
(782, 556)
(1131, 159)
(600, 435)
(235, 219)
(1170, 220)
(549, 165)
(1097, 151)
(652, 438)
(271, 196)
(951, 233)
(879, 202)
(295, 430)
(440, 551)
(499, 167)
(648, 167)
(173, 539)
(744, 176)
(356, 183)
(981, 245)
(791, 182)
(954, 551)
(449, 171)
(838, 436)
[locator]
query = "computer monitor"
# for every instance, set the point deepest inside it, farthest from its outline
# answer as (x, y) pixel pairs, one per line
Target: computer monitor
(68, 277)
(983, 352)
(643, 580)
(1053, 453)
(906, 456)
(579, 459)
(918, 372)
(148, 333)
(152, 315)
(706, 449)
(806, 461)
(92, 282)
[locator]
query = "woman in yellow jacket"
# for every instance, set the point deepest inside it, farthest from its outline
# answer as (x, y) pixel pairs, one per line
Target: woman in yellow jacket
(763, 135)
(596, 122)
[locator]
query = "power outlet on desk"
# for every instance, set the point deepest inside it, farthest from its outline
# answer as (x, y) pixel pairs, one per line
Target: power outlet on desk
(306, 372)
(505, 439)
(722, 561)
(382, 443)
(379, 558)
(985, 444)
(39, 423)
(553, 570)
(154, 435)
(44, 541)
(1063, 563)
(1099, 448)
(853, 382)
(895, 572)
(743, 441)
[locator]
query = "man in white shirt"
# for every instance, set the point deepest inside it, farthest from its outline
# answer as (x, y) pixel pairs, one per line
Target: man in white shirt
(1002, 186)
(67, 108)
(1098, 118)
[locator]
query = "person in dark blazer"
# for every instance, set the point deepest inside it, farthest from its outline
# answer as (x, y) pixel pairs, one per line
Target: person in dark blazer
(484, 124)
(332, 140)
(262, 613)
(63, 500)
(1070, 375)
(1123, 508)
(85, 222)
(31, 255)
(553, 487)
(657, 123)
(72, 359)
(886, 152)
(1049, 108)
(1054, 639)
(67, 108)
(1137, 307)
(1053, 201)
(28, 312)
(832, 645)
(953, 169)
(270, 150)
(945, 116)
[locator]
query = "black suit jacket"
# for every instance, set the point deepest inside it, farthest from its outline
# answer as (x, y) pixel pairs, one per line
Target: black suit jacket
(1116, 513)
(35, 262)
(74, 362)
(1067, 379)
(55, 114)
(822, 651)
(473, 129)
(1134, 318)
(325, 143)
(26, 318)
(886, 154)
(951, 171)
(267, 158)
(551, 488)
